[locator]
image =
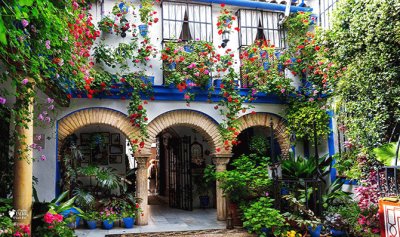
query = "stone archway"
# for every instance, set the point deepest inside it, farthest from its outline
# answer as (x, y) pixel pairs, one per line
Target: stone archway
(92, 116)
(264, 120)
(205, 125)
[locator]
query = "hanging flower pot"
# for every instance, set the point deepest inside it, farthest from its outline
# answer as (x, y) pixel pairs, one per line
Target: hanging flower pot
(172, 65)
(128, 222)
(280, 67)
(227, 22)
(266, 66)
(188, 48)
(143, 29)
(263, 54)
(148, 79)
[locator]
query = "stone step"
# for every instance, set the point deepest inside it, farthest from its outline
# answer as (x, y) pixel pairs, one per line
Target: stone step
(192, 233)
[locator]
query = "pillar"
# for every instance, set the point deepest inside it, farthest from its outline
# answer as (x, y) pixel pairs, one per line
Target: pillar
(22, 186)
(142, 187)
(220, 161)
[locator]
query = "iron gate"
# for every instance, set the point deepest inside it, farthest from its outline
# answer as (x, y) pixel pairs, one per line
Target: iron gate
(180, 178)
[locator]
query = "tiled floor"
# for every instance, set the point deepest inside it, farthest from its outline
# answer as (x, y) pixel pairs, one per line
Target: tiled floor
(162, 218)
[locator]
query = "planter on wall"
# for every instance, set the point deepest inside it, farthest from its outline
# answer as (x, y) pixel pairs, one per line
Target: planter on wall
(218, 82)
(315, 232)
(143, 29)
(338, 233)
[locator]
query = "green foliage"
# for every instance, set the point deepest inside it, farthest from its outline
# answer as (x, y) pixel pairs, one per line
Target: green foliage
(90, 216)
(364, 40)
(386, 153)
(304, 167)
(260, 215)
(299, 214)
(302, 117)
(248, 179)
(344, 217)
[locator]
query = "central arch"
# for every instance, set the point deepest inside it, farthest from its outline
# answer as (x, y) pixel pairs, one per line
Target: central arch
(202, 123)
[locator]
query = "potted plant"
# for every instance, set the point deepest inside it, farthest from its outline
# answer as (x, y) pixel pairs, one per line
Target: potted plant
(91, 218)
(260, 218)
(108, 217)
(336, 224)
(128, 214)
(106, 24)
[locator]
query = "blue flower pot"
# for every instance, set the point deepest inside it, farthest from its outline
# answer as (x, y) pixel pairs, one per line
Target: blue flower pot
(143, 29)
(266, 66)
(172, 65)
(285, 191)
(148, 79)
(293, 60)
(315, 232)
(128, 222)
(265, 230)
(72, 211)
(188, 48)
(338, 233)
(280, 67)
(108, 225)
(263, 54)
(277, 54)
(91, 224)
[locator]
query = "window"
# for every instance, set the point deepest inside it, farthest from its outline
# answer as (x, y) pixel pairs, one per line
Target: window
(325, 10)
(186, 21)
(260, 25)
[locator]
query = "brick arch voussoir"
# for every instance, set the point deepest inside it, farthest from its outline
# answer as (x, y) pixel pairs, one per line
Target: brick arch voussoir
(189, 118)
(96, 116)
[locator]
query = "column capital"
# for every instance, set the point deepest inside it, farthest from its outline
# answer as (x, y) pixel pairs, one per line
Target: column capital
(142, 159)
(221, 159)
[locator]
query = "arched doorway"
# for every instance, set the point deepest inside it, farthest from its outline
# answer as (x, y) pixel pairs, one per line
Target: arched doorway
(92, 119)
(184, 142)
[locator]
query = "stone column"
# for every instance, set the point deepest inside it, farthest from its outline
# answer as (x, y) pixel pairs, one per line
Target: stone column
(142, 187)
(220, 161)
(22, 187)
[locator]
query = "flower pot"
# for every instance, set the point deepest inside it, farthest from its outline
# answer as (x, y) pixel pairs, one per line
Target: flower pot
(315, 232)
(266, 66)
(280, 67)
(128, 222)
(108, 225)
(188, 48)
(236, 214)
(91, 224)
(265, 230)
(148, 79)
(338, 233)
(263, 54)
(226, 23)
(72, 211)
(172, 65)
(204, 201)
(143, 29)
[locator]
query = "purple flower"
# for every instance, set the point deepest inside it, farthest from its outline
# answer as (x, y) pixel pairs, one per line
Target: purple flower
(3, 100)
(51, 107)
(25, 81)
(47, 44)
(47, 119)
(50, 100)
(43, 157)
(24, 23)
(40, 117)
(39, 137)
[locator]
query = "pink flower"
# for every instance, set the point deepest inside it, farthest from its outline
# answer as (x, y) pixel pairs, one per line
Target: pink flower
(3, 100)
(24, 23)
(58, 218)
(25, 81)
(187, 97)
(50, 100)
(43, 157)
(51, 107)
(48, 218)
(206, 72)
(47, 43)
(283, 91)
(311, 99)
(40, 117)
(17, 234)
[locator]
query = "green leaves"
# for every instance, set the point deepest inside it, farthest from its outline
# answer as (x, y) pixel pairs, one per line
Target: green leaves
(25, 3)
(3, 30)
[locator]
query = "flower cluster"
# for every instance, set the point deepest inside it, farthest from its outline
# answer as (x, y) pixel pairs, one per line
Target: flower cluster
(225, 20)
(17, 230)
(108, 214)
(51, 218)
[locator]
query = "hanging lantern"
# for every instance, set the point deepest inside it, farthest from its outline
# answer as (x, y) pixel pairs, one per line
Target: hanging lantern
(225, 38)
